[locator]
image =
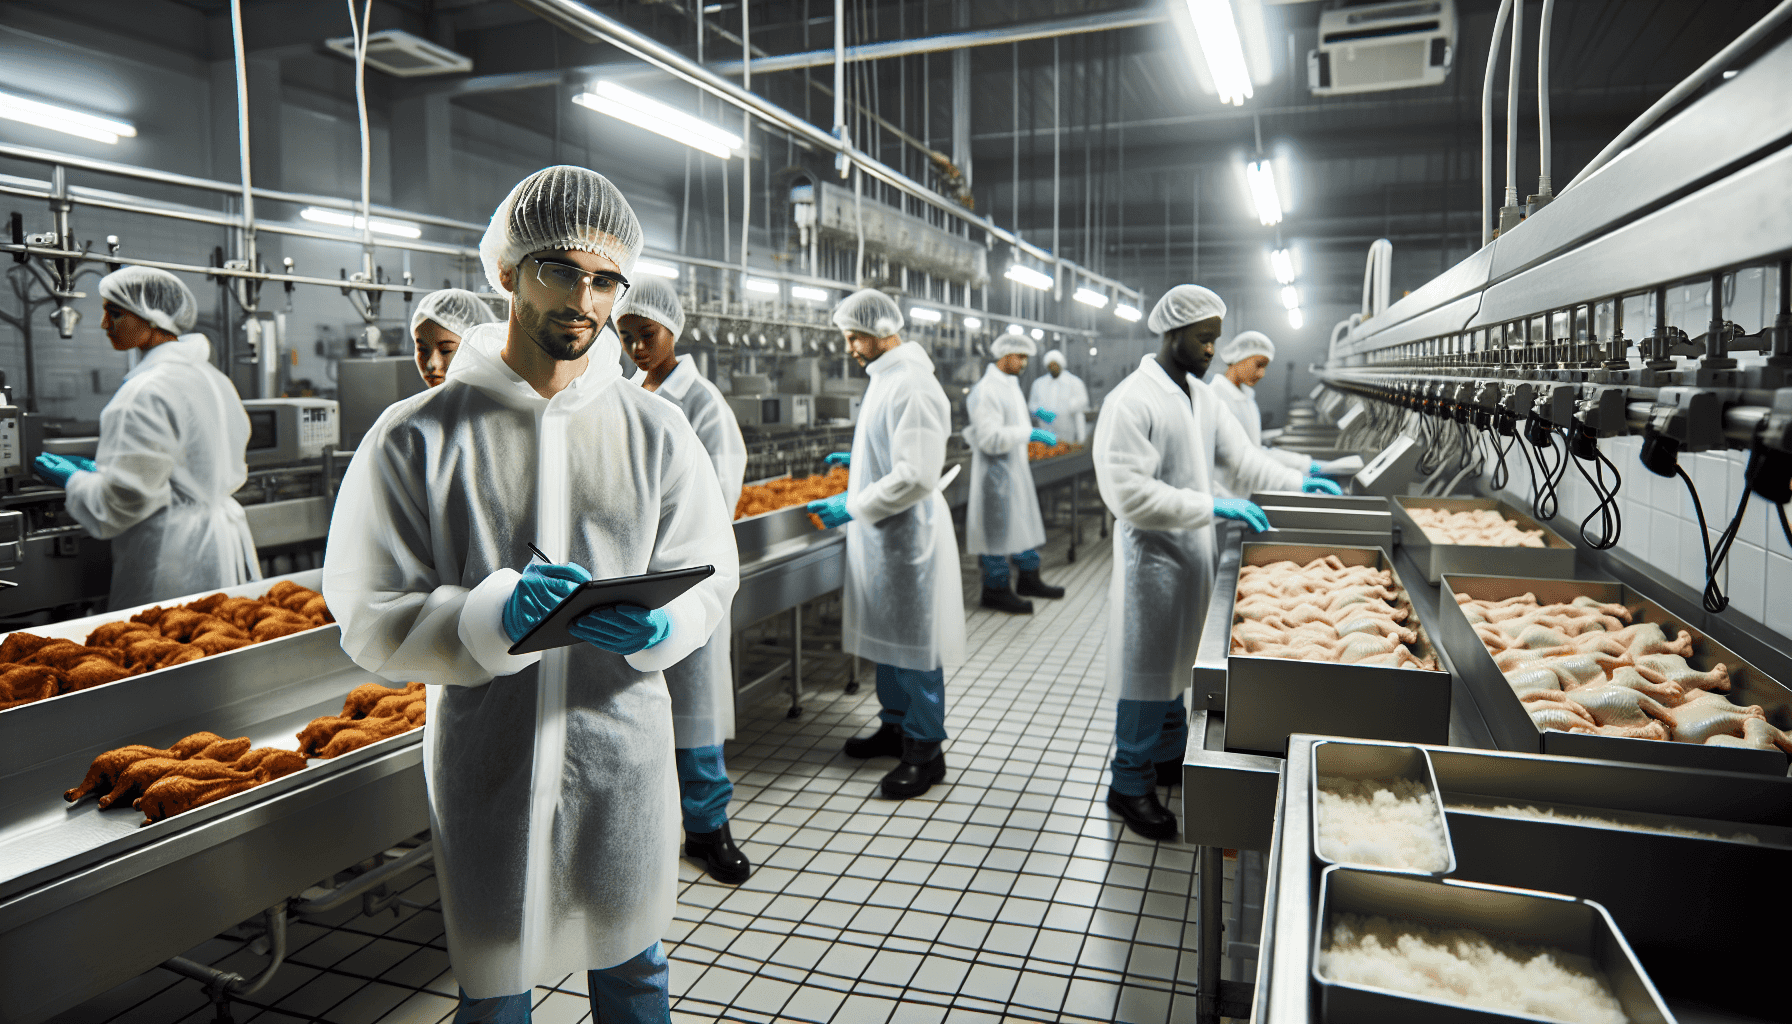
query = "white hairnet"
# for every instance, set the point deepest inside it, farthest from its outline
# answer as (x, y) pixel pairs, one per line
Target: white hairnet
(456, 309)
(560, 207)
(1055, 356)
(1183, 305)
(1010, 344)
(655, 299)
(155, 295)
(869, 311)
(1244, 345)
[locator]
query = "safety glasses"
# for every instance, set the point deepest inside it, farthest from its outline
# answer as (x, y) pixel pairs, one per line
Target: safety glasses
(564, 279)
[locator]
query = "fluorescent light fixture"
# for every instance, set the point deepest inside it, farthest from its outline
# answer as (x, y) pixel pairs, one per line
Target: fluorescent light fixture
(656, 269)
(1130, 314)
(1260, 177)
(1037, 334)
(1290, 298)
(808, 294)
(762, 286)
(1282, 263)
(925, 315)
(1029, 277)
(1016, 329)
(1295, 319)
(1091, 297)
(628, 105)
(1221, 67)
(64, 120)
(341, 219)
(972, 323)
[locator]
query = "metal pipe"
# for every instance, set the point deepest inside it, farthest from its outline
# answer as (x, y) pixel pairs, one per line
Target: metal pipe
(242, 130)
(224, 984)
(1493, 49)
(1544, 141)
(367, 881)
(746, 133)
(1512, 79)
(840, 161)
(1057, 151)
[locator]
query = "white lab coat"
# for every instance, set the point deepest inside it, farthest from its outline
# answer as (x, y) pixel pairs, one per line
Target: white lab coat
(1158, 455)
(553, 798)
(170, 457)
(903, 602)
(1066, 396)
(1003, 516)
(702, 685)
(1242, 401)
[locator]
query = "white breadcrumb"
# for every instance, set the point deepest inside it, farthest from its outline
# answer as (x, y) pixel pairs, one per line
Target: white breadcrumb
(1546, 814)
(1384, 823)
(1458, 965)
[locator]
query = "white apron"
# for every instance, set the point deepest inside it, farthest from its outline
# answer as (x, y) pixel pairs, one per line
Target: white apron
(1003, 515)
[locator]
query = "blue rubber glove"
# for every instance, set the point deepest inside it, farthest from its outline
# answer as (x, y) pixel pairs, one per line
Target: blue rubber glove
(838, 459)
(623, 628)
(1244, 511)
(1045, 415)
(1320, 485)
(55, 469)
(1044, 437)
(1313, 469)
(539, 592)
(831, 511)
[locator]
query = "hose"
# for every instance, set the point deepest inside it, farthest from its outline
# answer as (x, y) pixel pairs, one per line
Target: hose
(1512, 79)
(1543, 133)
(1493, 49)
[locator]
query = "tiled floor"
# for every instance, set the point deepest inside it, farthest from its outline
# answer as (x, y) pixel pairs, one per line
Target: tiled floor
(1009, 895)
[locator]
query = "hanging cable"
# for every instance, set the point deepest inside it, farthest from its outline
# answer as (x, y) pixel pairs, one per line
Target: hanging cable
(1611, 521)
(1502, 472)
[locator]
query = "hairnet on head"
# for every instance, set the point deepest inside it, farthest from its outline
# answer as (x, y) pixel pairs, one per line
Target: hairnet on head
(456, 309)
(1246, 344)
(1054, 356)
(560, 207)
(869, 311)
(155, 295)
(1012, 344)
(655, 299)
(1183, 305)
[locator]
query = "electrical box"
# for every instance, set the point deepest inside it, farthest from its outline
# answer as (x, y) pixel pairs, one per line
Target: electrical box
(1376, 47)
(774, 410)
(290, 429)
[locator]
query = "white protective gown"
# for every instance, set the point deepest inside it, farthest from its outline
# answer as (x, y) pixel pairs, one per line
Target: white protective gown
(1003, 516)
(170, 457)
(1242, 401)
(702, 685)
(1158, 456)
(1066, 396)
(904, 602)
(553, 798)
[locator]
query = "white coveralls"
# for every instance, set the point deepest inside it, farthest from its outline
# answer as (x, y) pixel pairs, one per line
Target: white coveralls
(1003, 516)
(170, 457)
(553, 801)
(1242, 402)
(1066, 396)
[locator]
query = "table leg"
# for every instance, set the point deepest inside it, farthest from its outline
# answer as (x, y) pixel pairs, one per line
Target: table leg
(1211, 868)
(796, 662)
(1076, 488)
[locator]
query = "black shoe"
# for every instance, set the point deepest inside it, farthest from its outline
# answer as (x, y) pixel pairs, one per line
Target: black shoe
(922, 765)
(1169, 773)
(718, 855)
(1003, 600)
(1144, 815)
(1028, 584)
(885, 742)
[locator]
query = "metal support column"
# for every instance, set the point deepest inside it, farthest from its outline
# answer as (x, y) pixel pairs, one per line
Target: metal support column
(1076, 533)
(1211, 867)
(796, 662)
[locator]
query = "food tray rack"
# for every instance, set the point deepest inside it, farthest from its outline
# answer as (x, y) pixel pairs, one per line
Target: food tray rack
(1557, 559)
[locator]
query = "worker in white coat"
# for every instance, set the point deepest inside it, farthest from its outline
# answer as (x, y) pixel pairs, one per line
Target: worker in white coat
(553, 799)
(170, 454)
(903, 602)
(1002, 520)
(702, 685)
(1248, 355)
(1161, 445)
(1059, 400)
(440, 320)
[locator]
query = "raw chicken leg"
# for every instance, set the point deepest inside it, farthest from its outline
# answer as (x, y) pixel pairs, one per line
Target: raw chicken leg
(1707, 715)
(1758, 734)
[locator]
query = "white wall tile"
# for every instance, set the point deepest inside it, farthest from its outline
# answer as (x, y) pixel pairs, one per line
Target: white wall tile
(1637, 519)
(1665, 531)
(1719, 485)
(1779, 594)
(1747, 580)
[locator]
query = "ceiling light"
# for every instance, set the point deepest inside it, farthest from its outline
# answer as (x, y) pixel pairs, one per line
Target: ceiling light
(1037, 334)
(925, 315)
(971, 323)
(1092, 350)
(1015, 329)
(1029, 277)
(1290, 298)
(1091, 297)
(803, 291)
(1221, 67)
(656, 269)
(762, 286)
(1260, 176)
(628, 105)
(1282, 263)
(64, 120)
(1295, 320)
(1130, 314)
(340, 219)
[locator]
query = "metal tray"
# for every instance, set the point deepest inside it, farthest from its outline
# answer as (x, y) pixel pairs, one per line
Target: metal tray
(1437, 559)
(1362, 761)
(1511, 726)
(766, 533)
(1574, 925)
(1269, 698)
(1352, 520)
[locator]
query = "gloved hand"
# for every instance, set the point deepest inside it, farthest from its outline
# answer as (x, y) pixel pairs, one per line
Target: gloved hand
(831, 511)
(1313, 469)
(56, 469)
(623, 628)
(1320, 485)
(539, 592)
(1044, 437)
(1244, 511)
(1045, 415)
(838, 459)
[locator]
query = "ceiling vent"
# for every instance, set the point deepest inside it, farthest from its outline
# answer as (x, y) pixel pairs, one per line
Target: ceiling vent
(397, 52)
(1401, 45)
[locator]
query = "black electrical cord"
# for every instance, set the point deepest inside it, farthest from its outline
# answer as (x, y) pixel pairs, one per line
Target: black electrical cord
(1611, 519)
(1524, 453)
(1714, 599)
(1502, 473)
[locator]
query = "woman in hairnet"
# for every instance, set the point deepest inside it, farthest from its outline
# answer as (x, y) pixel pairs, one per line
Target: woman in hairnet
(1248, 356)
(553, 798)
(903, 602)
(441, 319)
(1059, 400)
(1003, 517)
(702, 685)
(1162, 445)
(170, 453)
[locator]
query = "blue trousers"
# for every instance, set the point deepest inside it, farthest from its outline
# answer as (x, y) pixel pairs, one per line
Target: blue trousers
(1146, 732)
(915, 700)
(703, 788)
(995, 567)
(632, 992)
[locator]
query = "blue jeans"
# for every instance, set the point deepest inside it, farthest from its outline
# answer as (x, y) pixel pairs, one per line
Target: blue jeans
(703, 788)
(1146, 732)
(632, 992)
(995, 567)
(915, 700)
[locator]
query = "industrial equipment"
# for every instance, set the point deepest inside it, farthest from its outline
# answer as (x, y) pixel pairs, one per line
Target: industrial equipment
(289, 429)
(1405, 44)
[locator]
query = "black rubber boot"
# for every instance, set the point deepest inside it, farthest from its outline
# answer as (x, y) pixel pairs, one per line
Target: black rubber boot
(1028, 584)
(885, 742)
(1144, 815)
(1169, 773)
(718, 855)
(1003, 600)
(922, 765)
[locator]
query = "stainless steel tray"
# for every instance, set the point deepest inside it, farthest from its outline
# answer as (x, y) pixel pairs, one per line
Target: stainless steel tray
(1512, 727)
(1269, 698)
(766, 533)
(1437, 559)
(1376, 761)
(1351, 520)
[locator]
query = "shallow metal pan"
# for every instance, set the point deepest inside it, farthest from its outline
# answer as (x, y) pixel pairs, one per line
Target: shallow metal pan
(1557, 559)
(1349, 520)
(1377, 761)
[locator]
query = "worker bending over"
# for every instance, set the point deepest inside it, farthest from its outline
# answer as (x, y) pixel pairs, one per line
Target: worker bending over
(553, 798)
(702, 685)
(170, 454)
(1003, 518)
(441, 320)
(1161, 446)
(1059, 400)
(1248, 356)
(903, 606)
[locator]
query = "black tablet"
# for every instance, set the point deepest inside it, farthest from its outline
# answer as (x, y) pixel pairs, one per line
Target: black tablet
(653, 590)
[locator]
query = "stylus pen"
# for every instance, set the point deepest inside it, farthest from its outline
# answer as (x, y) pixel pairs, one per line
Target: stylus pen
(539, 555)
